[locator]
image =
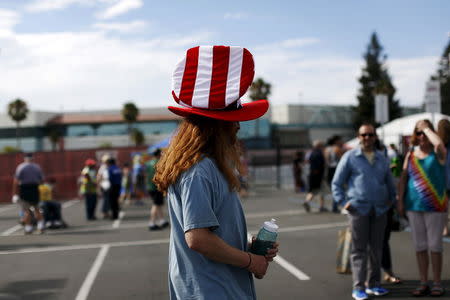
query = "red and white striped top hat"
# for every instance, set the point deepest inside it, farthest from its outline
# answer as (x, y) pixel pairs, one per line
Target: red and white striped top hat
(210, 80)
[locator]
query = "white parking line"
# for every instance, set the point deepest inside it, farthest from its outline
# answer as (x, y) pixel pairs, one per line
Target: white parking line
(291, 268)
(70, 203)
(286, 265)
(9, 207)
(116, 223)
(11, 230)
(90, 278)
(291, 212)
(85, 246)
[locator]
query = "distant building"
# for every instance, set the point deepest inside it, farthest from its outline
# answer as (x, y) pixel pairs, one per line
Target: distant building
(289, 125)
(94, 129)
(299, 125)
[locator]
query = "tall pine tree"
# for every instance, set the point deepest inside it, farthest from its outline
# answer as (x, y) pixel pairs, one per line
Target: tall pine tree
(443, 75)
(374, 79)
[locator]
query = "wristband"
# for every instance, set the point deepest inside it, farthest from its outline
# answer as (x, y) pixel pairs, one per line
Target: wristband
(250, 261)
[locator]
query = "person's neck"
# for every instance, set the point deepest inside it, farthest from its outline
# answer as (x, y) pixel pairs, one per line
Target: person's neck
(426, 148)
(367, 150)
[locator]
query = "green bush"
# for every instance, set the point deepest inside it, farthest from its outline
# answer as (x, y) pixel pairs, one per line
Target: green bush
(10, 149)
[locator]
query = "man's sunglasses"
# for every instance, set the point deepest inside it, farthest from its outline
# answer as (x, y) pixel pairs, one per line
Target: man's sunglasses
(419, 133)
(367, 134)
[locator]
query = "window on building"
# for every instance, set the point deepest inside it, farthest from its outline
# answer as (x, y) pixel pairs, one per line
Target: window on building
(162, 127)
(112, 129)
(248, 129)
(80, 130)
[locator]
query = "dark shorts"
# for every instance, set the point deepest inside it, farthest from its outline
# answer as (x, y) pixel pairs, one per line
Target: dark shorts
(315, 182)
(29, 193)
(157, 196)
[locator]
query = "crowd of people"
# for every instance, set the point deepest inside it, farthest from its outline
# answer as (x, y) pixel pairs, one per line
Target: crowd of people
(115, 187)
(122, 186)
(379, 188)
(200, 175)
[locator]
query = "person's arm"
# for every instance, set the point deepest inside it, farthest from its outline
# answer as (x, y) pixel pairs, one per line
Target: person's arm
(339, 179)
(205, 242)
(15, 186)
(402, 186)
(434, 139)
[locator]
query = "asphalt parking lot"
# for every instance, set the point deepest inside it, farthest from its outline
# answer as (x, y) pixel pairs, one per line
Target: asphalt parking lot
(123, 260)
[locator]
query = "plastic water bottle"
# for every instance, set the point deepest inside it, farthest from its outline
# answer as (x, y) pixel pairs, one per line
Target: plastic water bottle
(266, 237)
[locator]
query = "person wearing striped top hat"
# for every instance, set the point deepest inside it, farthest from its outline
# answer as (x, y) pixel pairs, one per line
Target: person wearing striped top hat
(208, 253)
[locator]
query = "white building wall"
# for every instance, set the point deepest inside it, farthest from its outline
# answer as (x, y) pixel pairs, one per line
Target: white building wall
(87, 142)
(34, 118)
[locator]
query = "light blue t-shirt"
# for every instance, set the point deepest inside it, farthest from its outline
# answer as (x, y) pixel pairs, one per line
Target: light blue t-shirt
(201, 199)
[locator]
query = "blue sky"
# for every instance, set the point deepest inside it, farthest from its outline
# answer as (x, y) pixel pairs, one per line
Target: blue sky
(96, 54)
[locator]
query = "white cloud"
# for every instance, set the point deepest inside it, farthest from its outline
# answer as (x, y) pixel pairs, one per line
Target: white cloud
(302, 77)
(134, 26)
(293, 43)
(235, 16)
(8, 19)
(90, 70)
(119, 8)
(95, 70)
(409, 76)
(49, 5)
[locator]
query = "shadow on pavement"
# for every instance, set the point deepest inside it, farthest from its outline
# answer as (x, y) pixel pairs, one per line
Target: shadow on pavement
(403, 290)
(32, 289)
(26, 246)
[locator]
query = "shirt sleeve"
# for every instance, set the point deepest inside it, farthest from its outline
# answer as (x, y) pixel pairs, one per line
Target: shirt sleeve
(197, 203)
(340, 178)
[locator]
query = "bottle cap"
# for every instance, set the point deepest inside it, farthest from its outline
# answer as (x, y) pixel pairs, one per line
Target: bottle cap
(271, 225)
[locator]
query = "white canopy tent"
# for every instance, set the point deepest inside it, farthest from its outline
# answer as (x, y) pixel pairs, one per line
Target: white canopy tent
(392, 132)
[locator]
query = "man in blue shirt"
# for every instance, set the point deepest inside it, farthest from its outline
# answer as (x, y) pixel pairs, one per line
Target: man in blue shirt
(368, 195)
(115, 180)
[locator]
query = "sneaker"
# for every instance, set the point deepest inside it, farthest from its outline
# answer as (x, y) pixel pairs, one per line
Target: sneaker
(359, 295)
(28, 229)
(163, 224)
(40, 225)
(306, 206)
(153, 227)
(377, 291)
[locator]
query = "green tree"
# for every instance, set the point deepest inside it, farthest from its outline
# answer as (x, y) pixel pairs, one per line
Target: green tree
(259, 90)
(54, 135)
(18, 111)
(137, 136)
(375, 79)
(130, 113)
(443, 75)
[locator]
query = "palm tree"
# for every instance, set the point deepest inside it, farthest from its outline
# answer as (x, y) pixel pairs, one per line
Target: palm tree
(138, 137)
(130, 113)
(259, 90)
(54, 135)
(18, 111)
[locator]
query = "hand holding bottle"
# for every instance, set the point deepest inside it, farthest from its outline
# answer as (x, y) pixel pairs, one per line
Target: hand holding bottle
(266, 240)
(258, 265)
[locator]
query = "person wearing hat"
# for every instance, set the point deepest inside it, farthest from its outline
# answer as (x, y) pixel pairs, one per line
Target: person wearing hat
(26, 183)
(208, 253)
(88, 188)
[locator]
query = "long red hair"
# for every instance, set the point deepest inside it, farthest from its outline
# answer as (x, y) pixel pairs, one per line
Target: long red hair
(198, 137)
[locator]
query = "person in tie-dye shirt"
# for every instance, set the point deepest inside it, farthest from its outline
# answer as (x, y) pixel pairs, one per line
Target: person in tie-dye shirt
(422, 194)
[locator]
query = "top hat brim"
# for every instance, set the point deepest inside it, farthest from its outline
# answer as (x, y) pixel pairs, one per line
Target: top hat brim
(248, 111)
